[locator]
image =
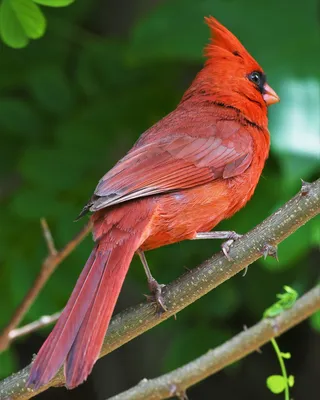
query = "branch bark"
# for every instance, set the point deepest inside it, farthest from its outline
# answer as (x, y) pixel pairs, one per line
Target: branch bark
(49, 265)
(191, 286)
(45, 320)
(246, 342)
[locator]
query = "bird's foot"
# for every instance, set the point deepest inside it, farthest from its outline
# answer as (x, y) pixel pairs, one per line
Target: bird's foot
(226, 245)
(156, 295)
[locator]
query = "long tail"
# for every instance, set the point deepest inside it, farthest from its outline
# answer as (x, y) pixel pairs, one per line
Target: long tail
(77, 338)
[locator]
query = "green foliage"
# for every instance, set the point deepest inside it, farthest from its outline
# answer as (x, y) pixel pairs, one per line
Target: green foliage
(73, 103)
(11, 29)
(286, 301)
(54, 3)
(277, 383)
(281, 383)
(21, 20)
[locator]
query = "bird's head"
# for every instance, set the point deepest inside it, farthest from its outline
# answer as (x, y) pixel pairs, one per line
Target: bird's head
(232, 76)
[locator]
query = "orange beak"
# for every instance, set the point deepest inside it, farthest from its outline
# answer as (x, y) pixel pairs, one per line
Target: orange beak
(269, 95)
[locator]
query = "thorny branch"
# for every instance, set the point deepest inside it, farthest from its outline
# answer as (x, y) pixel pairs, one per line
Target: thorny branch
(191, 286)
(233, 350)
(53, 259)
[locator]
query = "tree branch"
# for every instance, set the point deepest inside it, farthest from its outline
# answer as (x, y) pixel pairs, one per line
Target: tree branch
(43, 321)
(53, 259)
(194, 284)
(246, 342)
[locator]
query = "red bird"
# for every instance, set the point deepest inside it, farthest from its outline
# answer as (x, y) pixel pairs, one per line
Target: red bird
(197, 166)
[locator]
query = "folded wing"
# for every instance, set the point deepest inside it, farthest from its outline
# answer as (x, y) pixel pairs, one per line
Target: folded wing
(173, 163)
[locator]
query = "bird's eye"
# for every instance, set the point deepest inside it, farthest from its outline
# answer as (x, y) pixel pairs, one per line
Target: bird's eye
(259, 79)
(255, 77)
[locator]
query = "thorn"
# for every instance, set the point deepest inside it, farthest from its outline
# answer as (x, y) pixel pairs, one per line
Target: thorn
(245, 271)
(180, 394)
(48, 237)
(270, 250)
(305, 187)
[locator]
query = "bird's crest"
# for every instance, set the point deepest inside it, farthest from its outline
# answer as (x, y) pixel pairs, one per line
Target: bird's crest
(223, 40)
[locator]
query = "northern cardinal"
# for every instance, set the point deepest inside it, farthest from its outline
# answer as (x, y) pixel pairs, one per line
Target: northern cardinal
(197, 166)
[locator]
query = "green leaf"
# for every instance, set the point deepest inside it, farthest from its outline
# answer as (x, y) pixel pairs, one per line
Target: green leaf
(286, 300)
(290, 295)
(276, 383)
(11, 30)
(54, 3)
(30, 17)
(291, 380)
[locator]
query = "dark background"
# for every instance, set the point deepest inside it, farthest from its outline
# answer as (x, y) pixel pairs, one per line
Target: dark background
(73, 102)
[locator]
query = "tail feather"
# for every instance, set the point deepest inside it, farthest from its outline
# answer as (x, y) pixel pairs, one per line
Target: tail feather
(77, 338)
(55, 349)
(86, 347)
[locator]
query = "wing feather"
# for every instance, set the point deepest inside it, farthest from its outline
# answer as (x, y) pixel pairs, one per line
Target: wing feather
(176, 162)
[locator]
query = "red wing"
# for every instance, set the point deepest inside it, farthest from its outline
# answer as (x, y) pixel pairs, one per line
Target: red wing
(173, 163)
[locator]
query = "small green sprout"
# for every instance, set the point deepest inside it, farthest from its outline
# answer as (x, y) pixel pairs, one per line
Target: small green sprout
(281, 383)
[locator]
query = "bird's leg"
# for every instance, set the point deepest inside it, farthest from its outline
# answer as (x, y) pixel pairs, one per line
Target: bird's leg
(231, 236)
(154, 287)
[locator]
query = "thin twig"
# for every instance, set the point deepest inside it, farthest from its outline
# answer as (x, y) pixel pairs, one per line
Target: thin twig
(48, 237)
(231, 351)
(45, 320)
(192, 285)
(53, 259)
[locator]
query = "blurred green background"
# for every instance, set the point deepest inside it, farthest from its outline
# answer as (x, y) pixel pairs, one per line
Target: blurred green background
(73, 102)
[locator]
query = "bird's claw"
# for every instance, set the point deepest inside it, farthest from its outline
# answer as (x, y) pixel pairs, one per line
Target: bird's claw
(227, 244)
(270, 250)
(156, 295)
